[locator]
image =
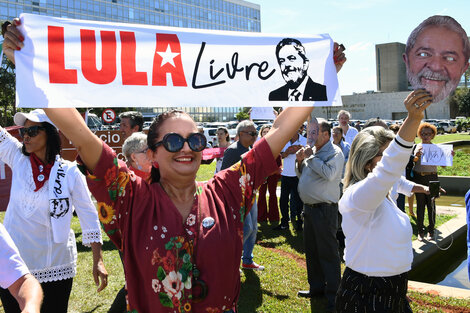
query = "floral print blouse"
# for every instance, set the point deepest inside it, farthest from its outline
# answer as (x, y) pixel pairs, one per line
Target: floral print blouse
(157, 244)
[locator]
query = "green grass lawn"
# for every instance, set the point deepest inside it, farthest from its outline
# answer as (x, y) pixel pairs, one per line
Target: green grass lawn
(448, 137)
(272, 290)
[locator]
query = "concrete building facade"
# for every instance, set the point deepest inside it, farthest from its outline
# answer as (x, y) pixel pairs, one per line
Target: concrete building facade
(234, 15)
(390, 67)
(237, 15)
(386, 105)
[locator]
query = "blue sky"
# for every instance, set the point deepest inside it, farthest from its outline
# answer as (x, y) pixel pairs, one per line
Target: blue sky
(359, 25)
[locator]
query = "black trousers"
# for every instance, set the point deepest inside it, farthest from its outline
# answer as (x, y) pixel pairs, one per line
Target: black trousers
(424, 201)
(360, 293)
(289, 188)
(321, 249)
(56, 297)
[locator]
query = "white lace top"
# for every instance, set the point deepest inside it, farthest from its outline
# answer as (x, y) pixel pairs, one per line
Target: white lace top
(28, 222)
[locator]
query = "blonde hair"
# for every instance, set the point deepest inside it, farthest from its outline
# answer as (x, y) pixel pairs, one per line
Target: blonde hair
(365, 147)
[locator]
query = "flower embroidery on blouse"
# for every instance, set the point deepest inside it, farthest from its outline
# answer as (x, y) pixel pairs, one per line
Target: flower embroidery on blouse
(105, 212)
(174, 274)
(191, 220)
(111, 173)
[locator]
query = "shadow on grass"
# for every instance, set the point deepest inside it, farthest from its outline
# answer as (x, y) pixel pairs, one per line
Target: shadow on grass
(251, 293)
(293, 238)
(251, 296)
(93, 310)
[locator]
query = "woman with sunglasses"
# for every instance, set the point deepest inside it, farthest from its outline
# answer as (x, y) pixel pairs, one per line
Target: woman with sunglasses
(135, 151)
(181, 239)
(45, 190)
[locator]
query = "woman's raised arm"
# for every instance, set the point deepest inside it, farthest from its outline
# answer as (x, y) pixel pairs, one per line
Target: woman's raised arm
(72, 125)
(69, 121)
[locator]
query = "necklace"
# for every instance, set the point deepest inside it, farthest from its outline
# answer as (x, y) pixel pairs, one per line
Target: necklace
(199, 287)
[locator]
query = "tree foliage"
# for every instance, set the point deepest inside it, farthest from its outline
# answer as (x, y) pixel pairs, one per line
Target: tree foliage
(7, 92)
(461, 100)
(243, 114)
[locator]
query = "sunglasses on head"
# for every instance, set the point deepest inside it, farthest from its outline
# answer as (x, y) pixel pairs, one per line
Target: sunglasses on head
(174, 142)
(252, 133)
(31, 131)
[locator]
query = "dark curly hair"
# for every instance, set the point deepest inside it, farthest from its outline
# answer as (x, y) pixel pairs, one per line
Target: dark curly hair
(154, 133)
(53, 144)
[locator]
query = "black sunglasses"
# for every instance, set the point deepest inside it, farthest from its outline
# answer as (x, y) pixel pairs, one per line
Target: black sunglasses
(174, 142)
(252, 133)
(31, 131)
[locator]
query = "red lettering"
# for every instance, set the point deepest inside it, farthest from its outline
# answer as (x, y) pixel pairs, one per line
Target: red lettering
(129, 74)
(107, 74)
(165, 41)
(58, 74)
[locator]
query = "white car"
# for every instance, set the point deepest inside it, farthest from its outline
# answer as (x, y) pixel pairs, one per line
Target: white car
(211, 136)
(448, 127)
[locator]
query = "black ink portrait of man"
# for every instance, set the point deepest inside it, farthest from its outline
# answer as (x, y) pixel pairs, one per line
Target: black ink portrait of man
(436, 56)
(294, 65)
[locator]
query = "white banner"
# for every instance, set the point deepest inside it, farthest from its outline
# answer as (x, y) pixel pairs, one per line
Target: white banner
(439, 155)
(262, 113)
(82, 63)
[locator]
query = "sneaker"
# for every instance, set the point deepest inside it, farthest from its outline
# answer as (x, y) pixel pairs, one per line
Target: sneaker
(252, 266)
(421, 237)
(430, 236)
(281, 227)
(310, 294)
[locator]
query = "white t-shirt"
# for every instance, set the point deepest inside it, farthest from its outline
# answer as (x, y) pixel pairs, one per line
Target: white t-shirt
(12, 266)
(378, 234)
(288, 163)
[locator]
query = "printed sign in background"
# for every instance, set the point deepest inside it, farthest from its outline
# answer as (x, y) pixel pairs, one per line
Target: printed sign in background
(80, 63)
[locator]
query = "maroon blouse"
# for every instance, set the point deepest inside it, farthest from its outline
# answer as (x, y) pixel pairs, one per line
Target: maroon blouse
(157, 244)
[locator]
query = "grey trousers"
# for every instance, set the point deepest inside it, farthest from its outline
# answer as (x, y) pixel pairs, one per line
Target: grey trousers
(321, 249)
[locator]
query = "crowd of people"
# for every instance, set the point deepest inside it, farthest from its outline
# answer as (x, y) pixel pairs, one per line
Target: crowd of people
(181, 241)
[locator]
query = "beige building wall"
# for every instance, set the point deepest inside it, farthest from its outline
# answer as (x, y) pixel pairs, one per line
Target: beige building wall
(386, 105)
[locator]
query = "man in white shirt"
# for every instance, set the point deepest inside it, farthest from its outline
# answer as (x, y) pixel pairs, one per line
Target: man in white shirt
(15, 276)
(289, 183)
(348, 132)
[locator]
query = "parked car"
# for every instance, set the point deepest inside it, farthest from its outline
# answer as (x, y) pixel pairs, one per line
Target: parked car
(94, 122)
(211, 136)
(448, 127)
(440, 129)
(146, 125)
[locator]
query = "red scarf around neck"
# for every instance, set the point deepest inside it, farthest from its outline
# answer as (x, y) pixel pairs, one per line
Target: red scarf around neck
(41, 171)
